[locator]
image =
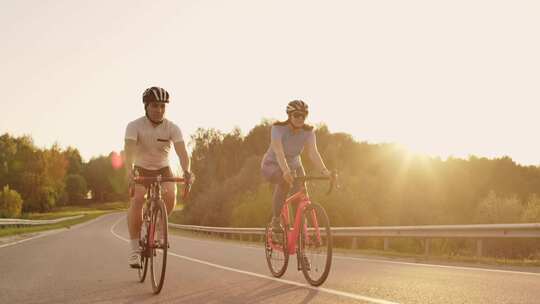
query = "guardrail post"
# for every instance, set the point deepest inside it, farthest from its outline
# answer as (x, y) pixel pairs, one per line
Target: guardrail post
(386, 244)
(479, 248)
(427, 243)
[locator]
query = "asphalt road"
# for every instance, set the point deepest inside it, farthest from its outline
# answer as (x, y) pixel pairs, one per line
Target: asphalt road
(88, 264)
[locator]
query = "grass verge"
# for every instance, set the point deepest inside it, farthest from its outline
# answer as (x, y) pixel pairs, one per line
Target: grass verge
(89, 212)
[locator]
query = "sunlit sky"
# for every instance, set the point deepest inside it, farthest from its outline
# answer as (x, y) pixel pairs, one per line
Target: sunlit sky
(438, 77)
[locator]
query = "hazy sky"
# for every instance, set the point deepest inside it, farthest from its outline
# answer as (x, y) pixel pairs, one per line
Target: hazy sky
(442, 78)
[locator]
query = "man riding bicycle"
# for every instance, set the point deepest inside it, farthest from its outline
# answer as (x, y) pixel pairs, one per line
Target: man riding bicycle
(147, 145)
(282, 162)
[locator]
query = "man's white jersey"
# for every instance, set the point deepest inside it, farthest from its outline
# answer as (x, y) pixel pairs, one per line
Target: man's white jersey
(153, 142)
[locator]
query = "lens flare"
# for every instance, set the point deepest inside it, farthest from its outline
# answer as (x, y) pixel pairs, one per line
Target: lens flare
(116, 161)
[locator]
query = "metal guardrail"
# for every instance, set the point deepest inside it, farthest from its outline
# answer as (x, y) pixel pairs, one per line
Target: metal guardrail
(531, 230)
(22, 222)
(478, 232)
(226, 230)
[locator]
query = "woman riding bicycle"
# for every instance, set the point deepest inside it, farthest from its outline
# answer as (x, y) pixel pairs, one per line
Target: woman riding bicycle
(282, 162)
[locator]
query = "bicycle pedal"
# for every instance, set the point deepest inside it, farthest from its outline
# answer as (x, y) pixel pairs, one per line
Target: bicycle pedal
(306, 261)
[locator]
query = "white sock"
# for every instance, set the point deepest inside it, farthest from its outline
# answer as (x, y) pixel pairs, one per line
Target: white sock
(134, 243)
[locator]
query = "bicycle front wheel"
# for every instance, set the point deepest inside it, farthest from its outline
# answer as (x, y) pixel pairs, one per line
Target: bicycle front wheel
(277, 253)
(144, 257)
(143, 244)
(315, 244)
(159, 246)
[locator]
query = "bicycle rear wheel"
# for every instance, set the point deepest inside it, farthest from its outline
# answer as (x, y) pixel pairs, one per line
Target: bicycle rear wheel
(277, 253)
(158, 250)
(315, 244)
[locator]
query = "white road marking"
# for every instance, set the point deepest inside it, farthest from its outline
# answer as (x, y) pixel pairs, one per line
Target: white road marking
(440, 266)
(303, 285)
(341, 257)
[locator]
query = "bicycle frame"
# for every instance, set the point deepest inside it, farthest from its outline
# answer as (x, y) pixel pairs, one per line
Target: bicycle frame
(302, 199)
(153, 197)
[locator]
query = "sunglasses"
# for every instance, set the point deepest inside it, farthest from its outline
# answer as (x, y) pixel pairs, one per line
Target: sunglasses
(299, 115)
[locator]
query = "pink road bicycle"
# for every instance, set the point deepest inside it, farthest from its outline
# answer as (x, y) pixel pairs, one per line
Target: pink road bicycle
(310, 237)
(154, 230)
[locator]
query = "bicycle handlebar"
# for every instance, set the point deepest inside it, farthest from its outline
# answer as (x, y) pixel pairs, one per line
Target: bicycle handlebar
(141, 179)
(159, 178)
(332, 178)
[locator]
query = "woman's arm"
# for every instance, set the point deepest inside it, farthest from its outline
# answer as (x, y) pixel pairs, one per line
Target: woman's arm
(315, 156)
(277, 147)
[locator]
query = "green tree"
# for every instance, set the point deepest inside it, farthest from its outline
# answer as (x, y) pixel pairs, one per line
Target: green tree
(531, 214)
(74, 161)
(76, 188)
(96, 173)
(105, 182)
(10, 203)
(497, 209)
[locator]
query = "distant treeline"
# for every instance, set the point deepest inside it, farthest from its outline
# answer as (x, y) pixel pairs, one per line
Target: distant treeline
(380, 184)
(37, 180)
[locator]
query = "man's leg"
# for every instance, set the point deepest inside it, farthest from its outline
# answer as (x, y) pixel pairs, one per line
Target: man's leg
(135, 212)
(169, 195)
(134, 224)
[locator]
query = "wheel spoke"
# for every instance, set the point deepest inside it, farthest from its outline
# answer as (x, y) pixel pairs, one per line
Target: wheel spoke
(315, 245)
(276, 257)
(159, 251)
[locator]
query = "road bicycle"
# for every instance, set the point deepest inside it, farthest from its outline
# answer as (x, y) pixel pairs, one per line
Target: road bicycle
(310, 237)
(154, 241)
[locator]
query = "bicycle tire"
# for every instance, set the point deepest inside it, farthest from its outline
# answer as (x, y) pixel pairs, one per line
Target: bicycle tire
(276, 267)
(158, 254)
(144, 268)
(143, 242)
(315, 253)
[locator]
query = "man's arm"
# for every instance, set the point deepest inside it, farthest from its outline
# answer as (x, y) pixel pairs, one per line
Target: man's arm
(180, 148)
(129, 152)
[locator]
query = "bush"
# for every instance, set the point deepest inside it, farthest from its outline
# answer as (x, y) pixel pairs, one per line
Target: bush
(253, 209)
(10, 203)
(41, 201)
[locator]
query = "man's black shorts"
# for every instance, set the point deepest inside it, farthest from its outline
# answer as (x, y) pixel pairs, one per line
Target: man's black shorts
(164, 172)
